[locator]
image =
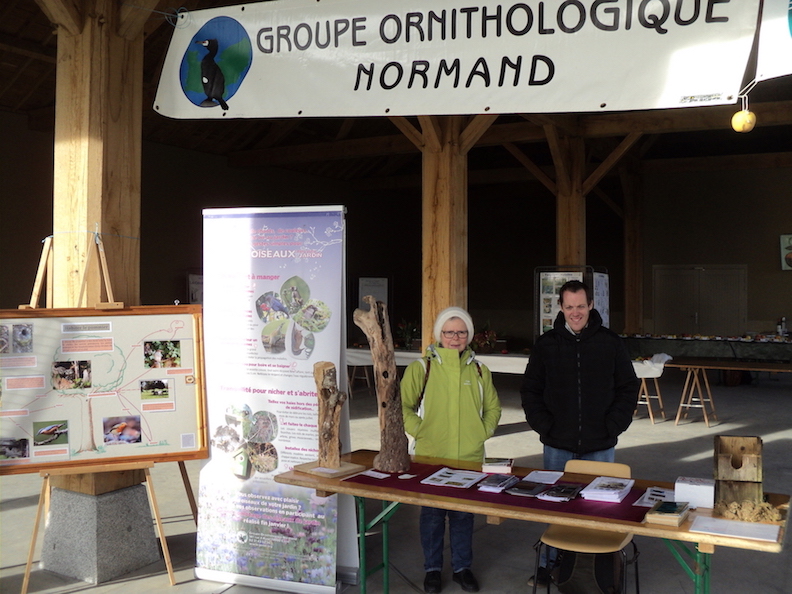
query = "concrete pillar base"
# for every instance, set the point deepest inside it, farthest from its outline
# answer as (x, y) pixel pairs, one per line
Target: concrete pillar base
(96, 538)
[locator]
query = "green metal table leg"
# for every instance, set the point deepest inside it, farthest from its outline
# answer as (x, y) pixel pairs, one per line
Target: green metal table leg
(361, 518)
(388, 509)
(699, 571)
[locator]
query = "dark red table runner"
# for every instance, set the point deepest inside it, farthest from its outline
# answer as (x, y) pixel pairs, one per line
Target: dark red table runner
(624, 511)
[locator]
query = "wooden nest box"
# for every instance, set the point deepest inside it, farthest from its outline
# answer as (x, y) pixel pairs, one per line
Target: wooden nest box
(738, 469)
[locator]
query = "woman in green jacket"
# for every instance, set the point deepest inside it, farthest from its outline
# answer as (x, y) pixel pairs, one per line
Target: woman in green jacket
(450, 408)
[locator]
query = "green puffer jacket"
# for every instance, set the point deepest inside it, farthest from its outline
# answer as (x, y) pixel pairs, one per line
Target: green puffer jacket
(460, 408)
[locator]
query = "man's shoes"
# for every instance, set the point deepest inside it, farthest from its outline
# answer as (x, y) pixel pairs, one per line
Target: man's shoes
(467, 580)
(432, 582)
(542, 577)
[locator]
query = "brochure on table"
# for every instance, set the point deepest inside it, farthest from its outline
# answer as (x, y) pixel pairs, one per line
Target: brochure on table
(452, 477)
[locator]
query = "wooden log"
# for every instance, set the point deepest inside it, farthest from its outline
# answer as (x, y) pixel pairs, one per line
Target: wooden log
(393, 455)
(330, 403)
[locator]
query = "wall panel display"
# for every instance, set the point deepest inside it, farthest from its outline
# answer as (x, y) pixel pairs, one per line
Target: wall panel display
(548, 285)
(83, 386)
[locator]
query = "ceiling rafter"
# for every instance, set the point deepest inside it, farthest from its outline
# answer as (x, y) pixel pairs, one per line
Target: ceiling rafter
(352, 148)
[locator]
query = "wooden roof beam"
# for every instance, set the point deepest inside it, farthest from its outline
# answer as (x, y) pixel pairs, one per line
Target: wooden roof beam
(567, 123)
(610, 161)
(609, 202)
(431, 133)
(689, 119)
(590, 126)
(412, 133)
(532, 167)
(29, 49)
(133, 17)
(474, 130)
(67, 14)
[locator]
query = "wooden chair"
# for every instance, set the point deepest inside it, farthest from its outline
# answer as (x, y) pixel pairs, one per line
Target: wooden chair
(587, 540)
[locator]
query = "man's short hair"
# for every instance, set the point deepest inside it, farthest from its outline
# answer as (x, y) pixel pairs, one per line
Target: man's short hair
(574, 286)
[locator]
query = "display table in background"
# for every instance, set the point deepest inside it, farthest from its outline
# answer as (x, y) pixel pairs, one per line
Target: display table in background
(696, 370)
(741, 350)
(495, 363)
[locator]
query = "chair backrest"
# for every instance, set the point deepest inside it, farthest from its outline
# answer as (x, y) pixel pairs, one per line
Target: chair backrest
(614, 469)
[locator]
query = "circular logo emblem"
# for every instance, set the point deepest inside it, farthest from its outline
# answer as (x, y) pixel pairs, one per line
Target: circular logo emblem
(216, 62)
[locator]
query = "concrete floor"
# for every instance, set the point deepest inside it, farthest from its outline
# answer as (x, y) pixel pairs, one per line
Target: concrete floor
(503, 554)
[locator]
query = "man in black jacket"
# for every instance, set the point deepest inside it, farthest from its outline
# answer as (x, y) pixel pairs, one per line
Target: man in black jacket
(579, 390)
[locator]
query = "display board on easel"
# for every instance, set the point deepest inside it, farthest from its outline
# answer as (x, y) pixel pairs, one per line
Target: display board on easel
(91, 386)
(547, 286)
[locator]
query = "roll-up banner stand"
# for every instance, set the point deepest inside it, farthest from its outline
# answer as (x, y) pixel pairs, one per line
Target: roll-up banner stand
(274, 304)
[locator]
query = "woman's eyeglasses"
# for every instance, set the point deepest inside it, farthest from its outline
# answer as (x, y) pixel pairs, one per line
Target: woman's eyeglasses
(455, 333)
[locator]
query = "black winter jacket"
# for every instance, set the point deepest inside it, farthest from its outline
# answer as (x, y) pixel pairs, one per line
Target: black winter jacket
(579, 392)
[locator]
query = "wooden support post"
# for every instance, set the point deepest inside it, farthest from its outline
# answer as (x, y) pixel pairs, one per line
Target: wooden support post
(569, 158)
(445, 224)
(393, 455)
(444, 143)
(98, 118)
(572, 185)
(633, 247)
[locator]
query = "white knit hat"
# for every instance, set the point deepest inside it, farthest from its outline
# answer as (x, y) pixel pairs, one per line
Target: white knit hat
(453, 312)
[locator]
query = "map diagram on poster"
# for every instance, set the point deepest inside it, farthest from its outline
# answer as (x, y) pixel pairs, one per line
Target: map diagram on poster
(81, 386)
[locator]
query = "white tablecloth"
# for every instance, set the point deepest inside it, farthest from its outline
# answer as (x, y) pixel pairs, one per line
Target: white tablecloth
(496, 363)
(647, 369)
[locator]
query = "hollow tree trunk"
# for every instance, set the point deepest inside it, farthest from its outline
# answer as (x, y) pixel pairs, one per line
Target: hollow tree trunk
(393, 455)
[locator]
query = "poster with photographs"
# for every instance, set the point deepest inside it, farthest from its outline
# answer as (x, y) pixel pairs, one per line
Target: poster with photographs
(81, 386)
(549, 284)
(786, 252)
(601, 291)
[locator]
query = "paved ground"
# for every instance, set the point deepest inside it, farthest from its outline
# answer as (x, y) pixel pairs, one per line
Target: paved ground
(504, 556)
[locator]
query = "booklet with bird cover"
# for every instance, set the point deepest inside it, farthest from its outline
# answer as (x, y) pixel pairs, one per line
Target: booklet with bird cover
(560, 492)
(527, 488)
(495, 483)
(668, 513)
(607, 488)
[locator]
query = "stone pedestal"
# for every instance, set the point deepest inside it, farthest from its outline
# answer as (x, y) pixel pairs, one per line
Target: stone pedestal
(96, 538)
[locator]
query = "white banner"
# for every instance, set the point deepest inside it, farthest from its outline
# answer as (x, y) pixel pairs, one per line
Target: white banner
(302, 58)
(273, 306)
(775, 40)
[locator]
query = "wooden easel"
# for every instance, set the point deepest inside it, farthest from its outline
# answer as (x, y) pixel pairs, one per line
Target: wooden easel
(44, 498)
(45, 267)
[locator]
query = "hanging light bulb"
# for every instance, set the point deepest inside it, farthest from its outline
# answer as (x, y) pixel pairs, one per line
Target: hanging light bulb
(744, 120)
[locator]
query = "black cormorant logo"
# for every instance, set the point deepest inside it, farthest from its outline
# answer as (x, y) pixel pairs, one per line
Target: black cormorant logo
(212, 77)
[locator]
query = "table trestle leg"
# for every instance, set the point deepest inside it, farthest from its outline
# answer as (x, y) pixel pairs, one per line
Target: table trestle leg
(388, 509)
(698, 569)
(693, 395)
